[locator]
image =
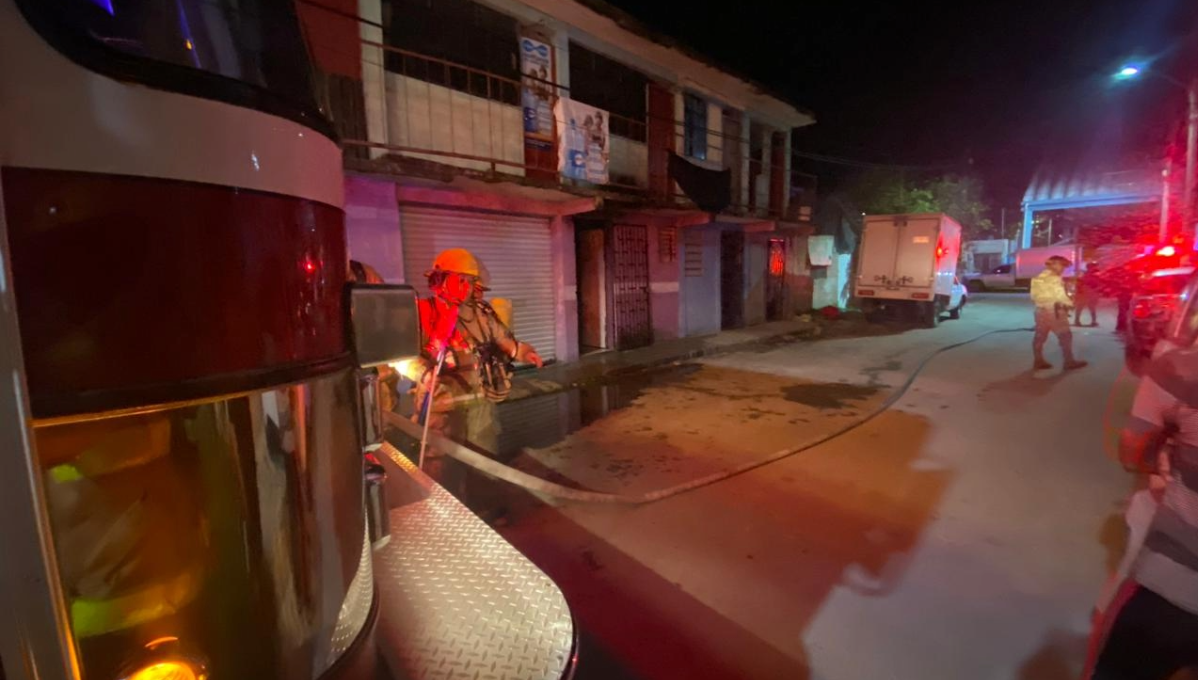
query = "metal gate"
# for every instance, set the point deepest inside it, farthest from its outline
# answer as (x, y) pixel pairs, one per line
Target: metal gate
(631, 318)
(775, 281)
(515, 250)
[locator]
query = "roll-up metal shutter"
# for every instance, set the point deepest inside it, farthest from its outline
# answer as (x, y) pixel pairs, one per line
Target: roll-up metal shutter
(516, 251)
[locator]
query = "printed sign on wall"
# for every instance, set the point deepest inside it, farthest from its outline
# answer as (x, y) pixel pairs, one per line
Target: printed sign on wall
(583, 138)
(536, 64)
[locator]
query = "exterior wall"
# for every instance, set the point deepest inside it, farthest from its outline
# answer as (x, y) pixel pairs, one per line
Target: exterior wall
(700, 294)
(373, 74)
(425, 116)
(628, 161)
(664, 290)
(565, 279)
(756, 264)
(372, 226)
(715, 132)
(832, 290)
(798, 274)
(743, 194)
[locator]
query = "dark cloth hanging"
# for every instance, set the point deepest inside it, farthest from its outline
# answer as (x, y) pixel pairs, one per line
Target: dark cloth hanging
(711, 190)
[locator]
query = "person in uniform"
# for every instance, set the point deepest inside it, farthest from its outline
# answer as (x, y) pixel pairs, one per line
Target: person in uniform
(1087, 295)
(479, 349)
(1053, 305)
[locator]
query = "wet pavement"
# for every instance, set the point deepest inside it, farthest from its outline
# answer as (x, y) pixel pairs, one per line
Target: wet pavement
(965, 532)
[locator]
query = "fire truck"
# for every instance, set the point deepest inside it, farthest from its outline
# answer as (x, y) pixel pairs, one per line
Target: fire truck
(188, 404)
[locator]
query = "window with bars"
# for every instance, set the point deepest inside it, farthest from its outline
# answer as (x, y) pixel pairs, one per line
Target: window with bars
(694, 126)
(693, 254)
(667, 244)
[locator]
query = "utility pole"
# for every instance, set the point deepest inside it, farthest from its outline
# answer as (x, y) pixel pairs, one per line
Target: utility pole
(1187, 199)
(1165, 179)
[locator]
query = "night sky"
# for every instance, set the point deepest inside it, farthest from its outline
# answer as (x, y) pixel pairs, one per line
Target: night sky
(1011, 84)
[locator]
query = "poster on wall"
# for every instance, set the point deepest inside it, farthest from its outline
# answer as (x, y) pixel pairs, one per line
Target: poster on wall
(582, 150)
(536, 64)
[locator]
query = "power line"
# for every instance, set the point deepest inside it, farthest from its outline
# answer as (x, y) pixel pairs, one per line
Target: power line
(850, 162)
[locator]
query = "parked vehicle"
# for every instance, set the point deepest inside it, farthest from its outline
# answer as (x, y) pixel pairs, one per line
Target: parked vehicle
(1030, 261)
(908, 266)
(1152, 308)
(1002, 276)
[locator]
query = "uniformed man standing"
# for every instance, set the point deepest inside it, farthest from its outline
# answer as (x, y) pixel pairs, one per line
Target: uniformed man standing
(479, 350)
(1053, 305)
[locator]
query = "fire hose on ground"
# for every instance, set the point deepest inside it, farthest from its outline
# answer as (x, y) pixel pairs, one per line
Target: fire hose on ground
(535, 484)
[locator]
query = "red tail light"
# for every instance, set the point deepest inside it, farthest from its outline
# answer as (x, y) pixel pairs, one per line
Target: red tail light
(865, 292)
(920, 296)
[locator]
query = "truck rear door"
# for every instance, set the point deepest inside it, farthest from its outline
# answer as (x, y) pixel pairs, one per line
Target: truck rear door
(915, 266)
(876, 267)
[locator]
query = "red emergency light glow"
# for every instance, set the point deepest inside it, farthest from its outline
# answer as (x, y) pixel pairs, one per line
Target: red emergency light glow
(940, 252)
(310, 265)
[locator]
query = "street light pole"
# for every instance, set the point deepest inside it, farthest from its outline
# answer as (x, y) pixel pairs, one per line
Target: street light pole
(1191, 89)
(1166, 178)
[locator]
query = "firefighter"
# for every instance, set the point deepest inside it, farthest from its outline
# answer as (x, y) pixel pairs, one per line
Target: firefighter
(479, 349)
(1053, 305)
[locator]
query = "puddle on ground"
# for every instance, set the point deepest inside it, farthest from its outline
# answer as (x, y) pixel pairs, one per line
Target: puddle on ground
(541, 422)
(829, 396)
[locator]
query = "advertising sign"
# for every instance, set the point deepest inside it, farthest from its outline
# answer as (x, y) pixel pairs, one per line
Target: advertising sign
(583, 138)
(536, 64)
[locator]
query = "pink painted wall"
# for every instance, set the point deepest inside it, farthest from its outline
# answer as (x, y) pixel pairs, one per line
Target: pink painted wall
(372, 226)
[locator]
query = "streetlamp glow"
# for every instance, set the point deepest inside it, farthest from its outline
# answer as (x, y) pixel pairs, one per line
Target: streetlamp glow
(1130, 71)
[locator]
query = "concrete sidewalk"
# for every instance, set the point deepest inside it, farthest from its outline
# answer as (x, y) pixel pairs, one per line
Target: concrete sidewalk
(592, 367)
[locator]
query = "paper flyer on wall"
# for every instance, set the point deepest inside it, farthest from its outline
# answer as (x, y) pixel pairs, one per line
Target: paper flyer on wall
(582, 133)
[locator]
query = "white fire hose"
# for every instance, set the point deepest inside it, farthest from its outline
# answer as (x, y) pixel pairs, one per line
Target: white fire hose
(494, 468)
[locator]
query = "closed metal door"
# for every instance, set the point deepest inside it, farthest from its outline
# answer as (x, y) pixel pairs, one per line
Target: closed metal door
(515, 251)
(630, 312)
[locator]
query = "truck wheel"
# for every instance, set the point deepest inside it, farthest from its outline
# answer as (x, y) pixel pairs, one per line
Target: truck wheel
(931, 314)
(955, 312)
(976, 286)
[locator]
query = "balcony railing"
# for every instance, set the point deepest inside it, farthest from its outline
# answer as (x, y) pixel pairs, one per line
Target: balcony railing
(423, 109)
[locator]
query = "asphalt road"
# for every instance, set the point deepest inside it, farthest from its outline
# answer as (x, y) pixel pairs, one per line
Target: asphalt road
(963, 533)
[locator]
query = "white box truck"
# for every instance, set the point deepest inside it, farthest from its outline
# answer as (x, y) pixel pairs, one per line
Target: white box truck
(907, 265)
(1029, 262)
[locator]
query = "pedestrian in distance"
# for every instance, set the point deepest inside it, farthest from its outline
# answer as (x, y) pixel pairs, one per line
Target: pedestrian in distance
(1053, 306)
(1087, 295)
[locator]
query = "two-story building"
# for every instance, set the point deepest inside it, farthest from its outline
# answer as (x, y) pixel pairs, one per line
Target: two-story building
(619, 188)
